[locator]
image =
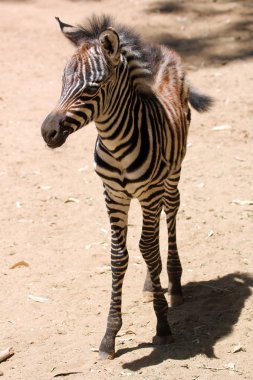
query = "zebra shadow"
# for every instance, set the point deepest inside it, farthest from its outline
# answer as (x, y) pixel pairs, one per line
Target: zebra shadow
(209, 313)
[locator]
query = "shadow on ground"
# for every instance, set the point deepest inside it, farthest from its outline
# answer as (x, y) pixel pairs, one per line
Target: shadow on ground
(211, 310)
(226, 36)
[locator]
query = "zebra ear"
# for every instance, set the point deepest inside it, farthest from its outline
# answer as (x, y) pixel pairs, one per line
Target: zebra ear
(73, 33)
(109, 41)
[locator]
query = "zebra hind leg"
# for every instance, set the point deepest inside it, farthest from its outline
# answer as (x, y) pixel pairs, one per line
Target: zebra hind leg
(118, 211)
(149, 247)
(171, 204)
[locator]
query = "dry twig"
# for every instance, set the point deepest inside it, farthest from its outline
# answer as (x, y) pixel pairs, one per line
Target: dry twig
(7, 353)
(219, 368)
(66, 374)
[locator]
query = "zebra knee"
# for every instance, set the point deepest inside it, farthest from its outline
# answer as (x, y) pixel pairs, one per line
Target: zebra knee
(152, 259)
(148, 249)
(119, 261)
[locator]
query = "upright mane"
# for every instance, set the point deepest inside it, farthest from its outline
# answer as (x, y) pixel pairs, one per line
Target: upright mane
(131, 46)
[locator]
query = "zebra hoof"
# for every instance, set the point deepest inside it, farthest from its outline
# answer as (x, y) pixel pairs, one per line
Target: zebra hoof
(162, 340)
(147, 296)
(106, 355)
(176, 300)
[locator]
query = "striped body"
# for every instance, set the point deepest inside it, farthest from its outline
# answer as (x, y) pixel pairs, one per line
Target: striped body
(138, 97)
(141, 136)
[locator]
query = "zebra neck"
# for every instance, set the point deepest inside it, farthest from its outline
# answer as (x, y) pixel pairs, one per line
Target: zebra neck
(119, 118)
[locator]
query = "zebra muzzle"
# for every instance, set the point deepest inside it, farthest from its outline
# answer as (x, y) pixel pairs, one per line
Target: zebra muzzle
(54, 131)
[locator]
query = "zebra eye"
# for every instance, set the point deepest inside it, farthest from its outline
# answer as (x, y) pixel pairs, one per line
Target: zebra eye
(91, 90)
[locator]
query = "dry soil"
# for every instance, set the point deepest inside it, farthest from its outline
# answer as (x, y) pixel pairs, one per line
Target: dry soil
(53, 215)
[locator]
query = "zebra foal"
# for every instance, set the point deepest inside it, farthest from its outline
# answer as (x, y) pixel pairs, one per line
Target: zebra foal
(139, 99)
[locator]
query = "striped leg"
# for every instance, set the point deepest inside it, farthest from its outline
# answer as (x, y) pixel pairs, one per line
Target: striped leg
(118, 211)
(174, 268)
(149, 247)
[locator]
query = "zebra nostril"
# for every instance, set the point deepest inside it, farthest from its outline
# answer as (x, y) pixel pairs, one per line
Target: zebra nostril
(52, 134)
(65, 132)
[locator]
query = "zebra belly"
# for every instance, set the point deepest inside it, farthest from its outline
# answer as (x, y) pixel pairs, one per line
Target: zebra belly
(119, 183)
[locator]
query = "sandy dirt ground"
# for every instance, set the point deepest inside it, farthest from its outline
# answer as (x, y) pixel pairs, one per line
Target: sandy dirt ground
(53, 215)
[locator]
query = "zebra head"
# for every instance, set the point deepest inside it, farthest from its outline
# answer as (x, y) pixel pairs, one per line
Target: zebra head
(86, 74)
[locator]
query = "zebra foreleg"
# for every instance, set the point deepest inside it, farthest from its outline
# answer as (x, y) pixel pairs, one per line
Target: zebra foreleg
(174, 268)
(148, 289)
(118, 211)
(149, 247)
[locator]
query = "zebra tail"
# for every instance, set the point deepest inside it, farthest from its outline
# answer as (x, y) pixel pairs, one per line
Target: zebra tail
(200, 102)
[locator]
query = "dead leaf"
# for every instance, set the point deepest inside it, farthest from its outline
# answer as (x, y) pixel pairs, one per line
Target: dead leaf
(19, 264)
(71, 199)
(38, 299)
(45, 187)
(237, 348)
(221, 127)
(242, 202)
(93, 349)
(239, 159)
(83, 169)
(18, 204)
